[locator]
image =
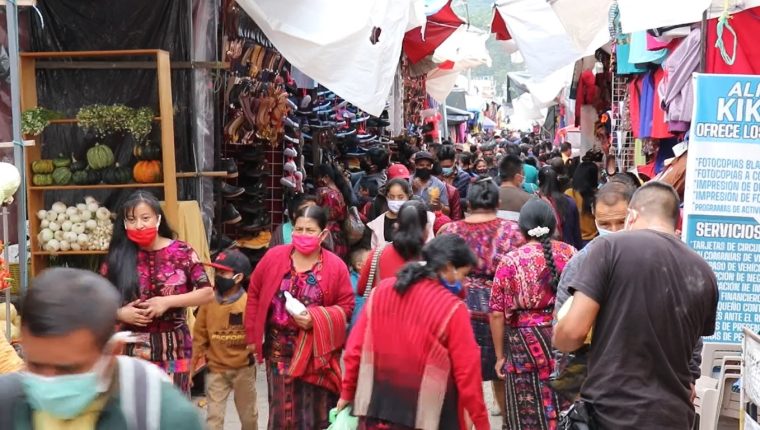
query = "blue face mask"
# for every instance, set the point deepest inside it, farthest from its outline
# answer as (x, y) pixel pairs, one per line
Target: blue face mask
(603, 232)
(447, 171)
(64, 396)
(455, 287)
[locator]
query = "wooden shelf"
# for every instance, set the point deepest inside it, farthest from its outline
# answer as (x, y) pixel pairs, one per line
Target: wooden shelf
(67, 253)
(76, 121)
(93, 187)
(165, 117)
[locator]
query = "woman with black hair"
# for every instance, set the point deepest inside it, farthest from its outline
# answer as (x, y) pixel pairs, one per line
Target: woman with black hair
(300, 300)
(412, 230)
(392, 196)
(490, 238)
(522, 299)
(565, 210)
(158, 278)
(420, 365)
(585, 184)
(334, 194)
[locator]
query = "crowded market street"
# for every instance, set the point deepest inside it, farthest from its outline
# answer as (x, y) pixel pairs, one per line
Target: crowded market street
(380, 215)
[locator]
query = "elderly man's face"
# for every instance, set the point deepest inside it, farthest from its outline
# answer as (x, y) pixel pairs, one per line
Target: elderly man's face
(68, 354)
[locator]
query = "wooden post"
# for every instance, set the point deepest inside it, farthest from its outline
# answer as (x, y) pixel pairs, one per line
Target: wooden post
(166, 110)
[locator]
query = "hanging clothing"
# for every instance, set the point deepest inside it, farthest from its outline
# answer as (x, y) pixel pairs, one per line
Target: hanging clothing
(585, 95)
(638, 50)
(659, 120)
(747, 61)
(678, 98)
(489, 240)
(522, 291)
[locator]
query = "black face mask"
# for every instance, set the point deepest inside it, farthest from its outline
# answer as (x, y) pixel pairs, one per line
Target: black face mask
(223, 284)
(423, 174)
(481, 172)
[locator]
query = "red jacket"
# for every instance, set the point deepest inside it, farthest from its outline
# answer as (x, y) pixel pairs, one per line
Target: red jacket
(413, 350)
(455, 203)
(266, 280)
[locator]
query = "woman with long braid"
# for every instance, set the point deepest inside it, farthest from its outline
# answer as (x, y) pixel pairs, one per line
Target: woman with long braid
(522, 300)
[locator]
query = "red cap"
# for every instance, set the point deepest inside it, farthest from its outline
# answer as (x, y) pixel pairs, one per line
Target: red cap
(398, 171)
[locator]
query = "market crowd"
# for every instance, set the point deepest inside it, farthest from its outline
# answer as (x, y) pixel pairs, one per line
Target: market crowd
(510, 262)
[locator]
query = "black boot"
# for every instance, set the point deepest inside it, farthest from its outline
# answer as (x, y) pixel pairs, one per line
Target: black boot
(230, 191)
(230, 215)
(230, 166)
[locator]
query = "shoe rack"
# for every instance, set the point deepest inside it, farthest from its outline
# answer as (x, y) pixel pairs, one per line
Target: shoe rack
(165, 120)
(254, 99)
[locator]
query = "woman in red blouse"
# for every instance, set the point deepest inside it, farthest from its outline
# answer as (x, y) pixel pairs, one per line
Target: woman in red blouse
(420, 364)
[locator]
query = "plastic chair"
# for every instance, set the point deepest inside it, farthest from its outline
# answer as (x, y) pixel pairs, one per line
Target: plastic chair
(706, 403)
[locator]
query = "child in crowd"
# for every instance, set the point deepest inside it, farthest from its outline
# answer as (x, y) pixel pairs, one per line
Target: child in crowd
(358, 257)
(219, 337)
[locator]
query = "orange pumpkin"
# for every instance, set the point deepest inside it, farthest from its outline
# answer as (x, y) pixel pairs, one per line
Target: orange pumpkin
(147, 172)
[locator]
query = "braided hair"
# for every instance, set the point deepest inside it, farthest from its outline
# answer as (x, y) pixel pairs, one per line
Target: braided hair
(537, 222)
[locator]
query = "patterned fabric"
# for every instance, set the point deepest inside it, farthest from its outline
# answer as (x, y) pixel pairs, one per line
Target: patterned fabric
(522, 291)
(337, 212)
(489, 241)
(293, 403)
(175, 269)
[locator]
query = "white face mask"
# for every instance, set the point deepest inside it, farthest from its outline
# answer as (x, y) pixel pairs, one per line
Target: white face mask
(603, 232)
(395, 205)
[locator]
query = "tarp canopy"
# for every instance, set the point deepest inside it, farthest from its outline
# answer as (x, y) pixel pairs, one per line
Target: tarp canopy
(420, 42)
(329, 40)
(540, 35)
(585, 21)
(546, 90)
(641, 15)
(464, 49)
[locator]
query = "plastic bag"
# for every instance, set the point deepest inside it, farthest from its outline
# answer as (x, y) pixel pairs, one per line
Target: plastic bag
(353, 226)
(343, 420)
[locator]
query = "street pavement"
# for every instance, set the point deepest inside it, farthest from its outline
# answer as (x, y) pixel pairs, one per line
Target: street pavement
(231, 421)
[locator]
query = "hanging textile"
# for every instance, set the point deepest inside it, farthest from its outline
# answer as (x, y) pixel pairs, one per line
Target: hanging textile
(420, 42)
(746, 24)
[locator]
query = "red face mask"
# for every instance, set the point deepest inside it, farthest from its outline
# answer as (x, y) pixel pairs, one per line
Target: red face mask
(144, 237)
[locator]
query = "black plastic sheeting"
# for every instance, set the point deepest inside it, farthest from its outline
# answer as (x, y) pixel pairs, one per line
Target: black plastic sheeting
(98, 25)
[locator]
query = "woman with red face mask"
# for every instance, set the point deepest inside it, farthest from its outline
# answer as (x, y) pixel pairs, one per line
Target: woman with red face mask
(158, 278)
(299, 301)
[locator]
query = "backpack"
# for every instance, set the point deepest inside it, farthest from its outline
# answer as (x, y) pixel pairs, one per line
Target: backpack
(139, 394)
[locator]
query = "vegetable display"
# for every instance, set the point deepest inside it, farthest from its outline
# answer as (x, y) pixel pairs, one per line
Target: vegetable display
(100, 157)
(117, 174)
(147, 151)
(146, 172)
(61, 176)
(84, 227)
(43, 166)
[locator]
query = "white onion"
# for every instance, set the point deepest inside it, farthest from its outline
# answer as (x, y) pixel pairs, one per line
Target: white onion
(62, 217)
(103, 214)
(70, 236)
(54, 226)
(45, 235)
(86, 214)
(75, 246)
(92, 207)
(81, 207)
(53, 245)
(58, 235)
(71, 210)
(75, 219)
(83, 239)
(52, 216)
(44, 223)
(41, 214)
(59, 207)
(65, 246)
(91, 224)
(78, 228)
(66, 225)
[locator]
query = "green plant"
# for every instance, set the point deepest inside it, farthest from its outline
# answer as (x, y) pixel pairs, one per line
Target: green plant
(34, 121)
(105, 119)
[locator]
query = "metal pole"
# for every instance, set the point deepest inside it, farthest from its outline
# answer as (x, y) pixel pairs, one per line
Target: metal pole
(11, 15)
(445, 132)
(703, 43)
(7, 290)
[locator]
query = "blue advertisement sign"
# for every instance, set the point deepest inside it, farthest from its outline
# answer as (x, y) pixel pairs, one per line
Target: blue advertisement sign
(722, 196)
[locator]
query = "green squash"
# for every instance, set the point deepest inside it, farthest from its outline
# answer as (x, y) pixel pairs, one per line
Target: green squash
(147, 151)
(94, 177)
(117, 175)
(62, 176)
(43, 166)
(61, 161)
(80, 177)
(42, 179)
(100, 157)
(77, 165)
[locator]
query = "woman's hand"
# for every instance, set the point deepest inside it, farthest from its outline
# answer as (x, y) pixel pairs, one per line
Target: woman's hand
(342, 403)
(500, 367)
(155, 306)
(303, 321)
(133, 314)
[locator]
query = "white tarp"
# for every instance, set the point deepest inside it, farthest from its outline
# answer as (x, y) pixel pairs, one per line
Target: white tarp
(541, 37)
(586, 21)
(466, 48)
(641, 15)
(329, 40)
(546, 90)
